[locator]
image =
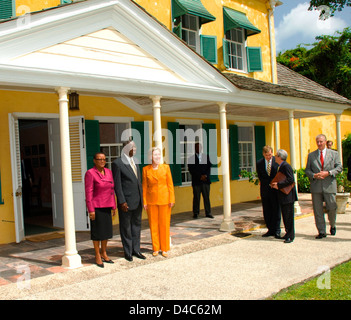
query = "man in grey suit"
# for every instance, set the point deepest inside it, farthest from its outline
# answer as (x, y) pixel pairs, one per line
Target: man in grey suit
(322, 166)
(128, 188)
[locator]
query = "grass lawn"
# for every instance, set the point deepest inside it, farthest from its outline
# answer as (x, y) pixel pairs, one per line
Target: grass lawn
(331, 285)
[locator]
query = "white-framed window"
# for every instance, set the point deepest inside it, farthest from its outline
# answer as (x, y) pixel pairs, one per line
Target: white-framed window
(246, 141)
(110, 140)
(188, 136)
(236, 49)
(190, 27)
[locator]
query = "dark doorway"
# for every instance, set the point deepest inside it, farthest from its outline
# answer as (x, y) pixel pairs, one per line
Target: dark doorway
(35, 171)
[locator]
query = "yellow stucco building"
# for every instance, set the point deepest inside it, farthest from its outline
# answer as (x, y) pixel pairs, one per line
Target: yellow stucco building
(143, 66)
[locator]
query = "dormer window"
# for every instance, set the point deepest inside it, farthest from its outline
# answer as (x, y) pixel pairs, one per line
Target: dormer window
(188, 17)
(190, 30)
(236, 49)
(236, 55)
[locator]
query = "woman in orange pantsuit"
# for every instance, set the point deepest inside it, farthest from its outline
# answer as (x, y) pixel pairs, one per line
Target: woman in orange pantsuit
(158, 197)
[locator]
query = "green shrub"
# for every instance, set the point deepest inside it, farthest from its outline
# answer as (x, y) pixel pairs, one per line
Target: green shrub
(303, 182)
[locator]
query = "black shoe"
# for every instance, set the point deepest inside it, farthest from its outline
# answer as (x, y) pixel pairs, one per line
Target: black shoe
(321, 235)
(278, 236)
(107, 261)
(209, 216)
(195, 216)
(128, 257)
(139, 255)
(101, 265)
(267, 234)
(288, 240)
(333, 231)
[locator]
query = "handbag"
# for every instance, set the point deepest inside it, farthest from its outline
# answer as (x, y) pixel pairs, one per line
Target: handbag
(281, 177)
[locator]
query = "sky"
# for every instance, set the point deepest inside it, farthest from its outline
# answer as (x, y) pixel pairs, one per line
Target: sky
(294, 24)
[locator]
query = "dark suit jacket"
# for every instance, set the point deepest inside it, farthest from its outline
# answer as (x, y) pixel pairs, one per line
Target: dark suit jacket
(263, 176)
(197, 169)
(288, 171)
(128, 187)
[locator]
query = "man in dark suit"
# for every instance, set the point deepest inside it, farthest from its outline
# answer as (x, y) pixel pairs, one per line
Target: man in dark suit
(266, 169)
(128, 188)
(200, 169)
(286, 201)
(322, 167)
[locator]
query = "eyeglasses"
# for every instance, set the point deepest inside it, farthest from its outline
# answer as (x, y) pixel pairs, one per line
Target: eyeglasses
(100, 159)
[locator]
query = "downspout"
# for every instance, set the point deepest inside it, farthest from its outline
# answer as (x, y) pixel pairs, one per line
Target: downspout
(271, 6)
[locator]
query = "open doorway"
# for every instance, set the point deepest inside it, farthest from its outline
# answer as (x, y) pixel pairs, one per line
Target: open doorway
(35, 171)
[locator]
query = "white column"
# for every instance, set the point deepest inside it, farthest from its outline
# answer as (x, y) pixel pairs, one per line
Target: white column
(297, 208)
(156, 106)
(302, 165)
(227, 223)
(338, 135)
(71, 258)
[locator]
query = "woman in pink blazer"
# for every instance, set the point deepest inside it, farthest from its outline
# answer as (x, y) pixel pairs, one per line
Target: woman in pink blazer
(101, 202)
(158, 199)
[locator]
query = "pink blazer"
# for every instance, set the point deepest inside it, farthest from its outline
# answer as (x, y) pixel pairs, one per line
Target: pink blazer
(99, 189)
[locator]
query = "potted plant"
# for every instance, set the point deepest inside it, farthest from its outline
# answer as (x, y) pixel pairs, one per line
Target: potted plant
(252, 176)
(343, 194)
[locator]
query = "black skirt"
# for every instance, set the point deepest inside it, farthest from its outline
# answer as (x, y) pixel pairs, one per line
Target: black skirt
(101, 227)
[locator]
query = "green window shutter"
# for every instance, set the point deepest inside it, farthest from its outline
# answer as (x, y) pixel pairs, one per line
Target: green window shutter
(260, 141)
(234, 152)
(178, 30)
(254, 59)
(225, 53)
(210, 147)
(209, 48)
(174, 153)
(92, 138)
(6, 9)
(1, 199)
(143, 145)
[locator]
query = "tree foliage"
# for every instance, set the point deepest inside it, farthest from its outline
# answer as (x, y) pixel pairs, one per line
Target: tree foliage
(327, 62)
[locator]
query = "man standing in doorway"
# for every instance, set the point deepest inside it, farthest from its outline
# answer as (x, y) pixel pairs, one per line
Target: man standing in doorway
(128, 189)
(322, 166)
(200, 169)
(266, 169)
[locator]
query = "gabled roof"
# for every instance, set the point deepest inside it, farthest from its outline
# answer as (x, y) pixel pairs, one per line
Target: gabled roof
(67, 46)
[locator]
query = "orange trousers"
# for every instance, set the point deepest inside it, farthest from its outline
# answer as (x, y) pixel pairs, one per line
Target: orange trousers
(159, 222)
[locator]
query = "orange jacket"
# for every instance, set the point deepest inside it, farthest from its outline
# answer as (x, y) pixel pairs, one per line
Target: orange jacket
(158, 185)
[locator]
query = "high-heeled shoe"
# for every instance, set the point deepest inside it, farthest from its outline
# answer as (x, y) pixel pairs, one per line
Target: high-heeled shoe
(101, 265)
(107, 261)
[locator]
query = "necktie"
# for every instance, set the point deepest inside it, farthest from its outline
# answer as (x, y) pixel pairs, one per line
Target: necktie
(133, 167)
(322, 160)
(269, 168)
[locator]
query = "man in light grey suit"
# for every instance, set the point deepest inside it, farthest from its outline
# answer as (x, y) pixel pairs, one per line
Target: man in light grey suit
(128, 189)
(322, 166)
